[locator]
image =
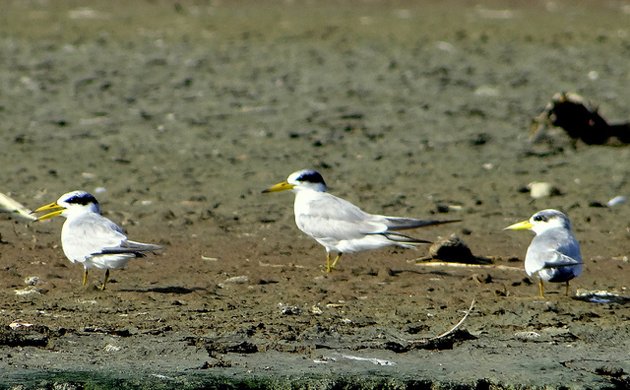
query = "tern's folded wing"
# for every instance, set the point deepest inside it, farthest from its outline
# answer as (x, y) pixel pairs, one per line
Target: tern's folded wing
(324, 226)
(89, 235)
(129, 246)
(330, 216)
(561, 260)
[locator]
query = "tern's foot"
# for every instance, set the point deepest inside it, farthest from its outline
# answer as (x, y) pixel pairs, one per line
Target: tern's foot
(329, 269)
(334, 263)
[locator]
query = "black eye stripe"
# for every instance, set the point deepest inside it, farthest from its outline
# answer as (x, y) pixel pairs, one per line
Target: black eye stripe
(82, 199)
(311, 177)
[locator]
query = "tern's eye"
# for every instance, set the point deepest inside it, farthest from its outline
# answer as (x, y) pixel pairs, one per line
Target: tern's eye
(540, 218)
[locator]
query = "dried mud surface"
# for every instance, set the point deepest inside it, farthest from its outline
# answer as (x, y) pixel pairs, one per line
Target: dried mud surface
(178, 115)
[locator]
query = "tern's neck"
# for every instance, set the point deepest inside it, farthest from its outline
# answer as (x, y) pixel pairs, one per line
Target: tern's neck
(304, 196)
(310, 187)
(566, 229)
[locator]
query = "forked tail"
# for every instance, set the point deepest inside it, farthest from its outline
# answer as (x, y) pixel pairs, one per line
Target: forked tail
(403, 239)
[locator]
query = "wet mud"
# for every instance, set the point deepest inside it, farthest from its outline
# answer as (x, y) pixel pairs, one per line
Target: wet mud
(177, 115)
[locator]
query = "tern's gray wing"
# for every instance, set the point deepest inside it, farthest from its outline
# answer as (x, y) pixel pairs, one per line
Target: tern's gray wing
(330, 216)
(556, 252)
(90, 234)
(561, 260)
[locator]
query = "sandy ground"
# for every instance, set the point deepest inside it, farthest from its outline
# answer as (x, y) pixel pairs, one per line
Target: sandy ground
(177, 116)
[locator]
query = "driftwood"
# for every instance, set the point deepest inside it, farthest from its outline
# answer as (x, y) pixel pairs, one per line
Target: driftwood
(580, 121)
(422, 262)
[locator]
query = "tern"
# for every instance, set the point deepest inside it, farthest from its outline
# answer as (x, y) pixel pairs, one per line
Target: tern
(89, 238)
(340, 226)
(554, 253)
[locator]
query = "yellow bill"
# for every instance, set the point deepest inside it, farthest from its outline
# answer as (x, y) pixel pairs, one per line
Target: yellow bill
(54, 209)
(283, 186)
(524, 225)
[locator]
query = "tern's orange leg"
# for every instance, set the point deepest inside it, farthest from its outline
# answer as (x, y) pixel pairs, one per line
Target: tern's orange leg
(541, 288)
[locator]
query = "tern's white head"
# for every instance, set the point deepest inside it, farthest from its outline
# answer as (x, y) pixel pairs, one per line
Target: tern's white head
(300, 180)
(543, 221)
(74, 202)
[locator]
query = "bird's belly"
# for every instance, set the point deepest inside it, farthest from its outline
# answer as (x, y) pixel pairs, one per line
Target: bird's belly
(75, 255)
(559, 275)
(361, 244)
(108, 261)
(76, 247)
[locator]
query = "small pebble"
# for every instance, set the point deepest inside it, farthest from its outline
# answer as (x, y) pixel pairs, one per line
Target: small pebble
(316, 310)
(27, 291)
(527, 335)
(18, 324)
(237, 279)
(541, 189)
(616, 201)
(593, 75)
(289, 310)
(111, 348)
(31, 280)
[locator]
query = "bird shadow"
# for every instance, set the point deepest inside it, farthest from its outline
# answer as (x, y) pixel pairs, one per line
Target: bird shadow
(396, 272)
(178, 290)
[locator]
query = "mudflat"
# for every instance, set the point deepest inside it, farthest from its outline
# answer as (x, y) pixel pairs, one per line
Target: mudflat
(176, 116)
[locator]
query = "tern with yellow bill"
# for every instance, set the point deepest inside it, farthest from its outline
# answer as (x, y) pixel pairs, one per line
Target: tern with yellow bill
(89, 238)
(340, 226)
(554, 253)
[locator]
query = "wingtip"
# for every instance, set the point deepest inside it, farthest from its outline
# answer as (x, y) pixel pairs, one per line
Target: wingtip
(451, 220)
(440, 222)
